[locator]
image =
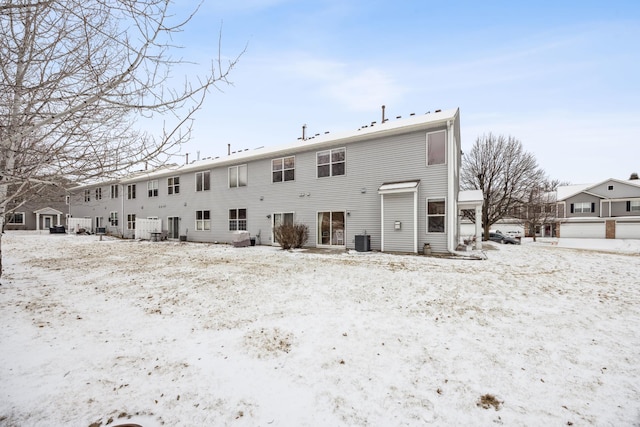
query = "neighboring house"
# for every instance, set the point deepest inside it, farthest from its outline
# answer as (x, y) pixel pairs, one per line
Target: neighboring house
(40, 212)
(609, 209)
(396, 182)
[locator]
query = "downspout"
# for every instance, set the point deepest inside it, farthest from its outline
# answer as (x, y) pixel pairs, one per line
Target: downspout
(382, 223)
(415, 221)
(122, 218)
(452, 210)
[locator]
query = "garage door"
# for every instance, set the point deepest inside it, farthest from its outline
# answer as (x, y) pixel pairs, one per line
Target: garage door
(628, 230)
(585, 230)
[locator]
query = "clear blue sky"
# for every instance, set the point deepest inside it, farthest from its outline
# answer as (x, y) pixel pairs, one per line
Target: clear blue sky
(561, 76)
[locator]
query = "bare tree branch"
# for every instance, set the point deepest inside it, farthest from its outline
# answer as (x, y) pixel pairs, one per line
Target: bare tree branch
(504, 172)
(75, 78)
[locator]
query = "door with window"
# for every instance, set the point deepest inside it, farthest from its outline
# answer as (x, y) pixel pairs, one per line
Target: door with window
(278, 219)
(173, 225)
(331, 228)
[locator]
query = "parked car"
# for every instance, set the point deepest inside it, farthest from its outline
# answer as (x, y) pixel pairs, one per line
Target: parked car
(501, 238)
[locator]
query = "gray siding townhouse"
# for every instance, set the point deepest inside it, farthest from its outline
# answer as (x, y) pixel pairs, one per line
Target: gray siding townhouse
(396, 182)
(609, 209)
(40, 212)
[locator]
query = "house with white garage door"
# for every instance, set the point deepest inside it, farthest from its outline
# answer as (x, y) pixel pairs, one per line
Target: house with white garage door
(607, 210)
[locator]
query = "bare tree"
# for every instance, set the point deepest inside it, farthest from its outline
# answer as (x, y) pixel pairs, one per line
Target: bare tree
(504, 171)
(540, 208)
(76, 78)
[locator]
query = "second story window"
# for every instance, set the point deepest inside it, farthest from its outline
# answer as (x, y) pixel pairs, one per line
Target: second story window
(331, 162)
(238, 176)
(173, 185)
(152, 188)
(131, 191)
(283, 169)
(436, 148)
(87, 195)
(203, 181)
(114, 191)
(582, 207)
(98, 193)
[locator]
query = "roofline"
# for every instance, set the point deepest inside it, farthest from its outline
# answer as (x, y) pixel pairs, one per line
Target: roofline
(396, 127)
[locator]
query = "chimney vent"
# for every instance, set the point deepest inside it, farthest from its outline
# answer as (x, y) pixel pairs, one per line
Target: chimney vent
(383, 119)
(633, 176)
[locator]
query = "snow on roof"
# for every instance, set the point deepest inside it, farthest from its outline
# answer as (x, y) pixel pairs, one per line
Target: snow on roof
(566, 191)
(317, 142)
(398, 186)
(466, 196)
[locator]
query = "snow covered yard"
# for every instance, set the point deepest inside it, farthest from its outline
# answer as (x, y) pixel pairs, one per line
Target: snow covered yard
(98, 333)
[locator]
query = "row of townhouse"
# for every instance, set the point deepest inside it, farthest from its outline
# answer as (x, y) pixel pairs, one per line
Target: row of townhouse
(396, 182)
(608, 209)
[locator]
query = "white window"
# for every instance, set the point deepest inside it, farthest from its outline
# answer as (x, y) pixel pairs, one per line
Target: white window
(634, 206)
(203, 220)
(152, 188)
(67, 200)
(283, 169)
(113, 218)
(238, 176)
(114, 191)
(203, 181)
(581, 207)
(87, 195)
(436, 147)
(435, 215)
(15, 218)
(173, 185)
(131, 222)
(131, 191)
(98, 193)
(331, 162)
(237, 219)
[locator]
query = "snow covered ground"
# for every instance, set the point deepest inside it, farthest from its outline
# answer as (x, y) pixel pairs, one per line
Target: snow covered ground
(98, 333)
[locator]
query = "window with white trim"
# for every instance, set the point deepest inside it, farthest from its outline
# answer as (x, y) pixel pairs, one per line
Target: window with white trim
(113, 218)
(114, 191)
(131, 221)
(99, 193)
(283, 169)
(436, 215)
(203, 181)
(634, 206)
(436, 148)
(582, 207)
(15, 218)
(238, 176)
(331, 162)
(237, 219)
(152, 188)
(87, 195)
(203, 220)
(173, 185)
(131, 191)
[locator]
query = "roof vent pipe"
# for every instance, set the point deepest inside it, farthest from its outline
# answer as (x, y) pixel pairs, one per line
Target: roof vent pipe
(186, 159)
(383, 119)
(304, 132)
(228, 149)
